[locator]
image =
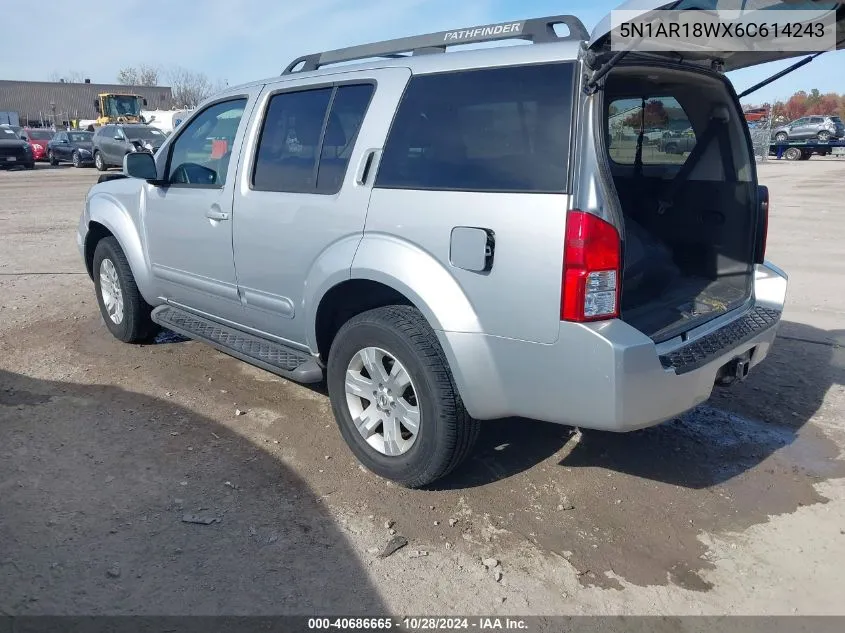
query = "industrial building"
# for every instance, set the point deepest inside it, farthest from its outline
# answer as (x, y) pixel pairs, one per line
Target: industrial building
(45, 103)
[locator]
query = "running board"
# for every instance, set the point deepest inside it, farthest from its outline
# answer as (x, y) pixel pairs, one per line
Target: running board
(274, 357)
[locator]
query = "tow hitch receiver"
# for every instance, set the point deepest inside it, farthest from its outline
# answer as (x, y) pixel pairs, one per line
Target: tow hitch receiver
(734, 371)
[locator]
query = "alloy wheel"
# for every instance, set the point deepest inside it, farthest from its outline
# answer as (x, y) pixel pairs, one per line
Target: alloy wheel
(111, 291)
(382, 401)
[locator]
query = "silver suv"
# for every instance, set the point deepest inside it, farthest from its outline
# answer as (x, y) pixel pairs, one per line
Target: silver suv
(823, 128)
(448, 238)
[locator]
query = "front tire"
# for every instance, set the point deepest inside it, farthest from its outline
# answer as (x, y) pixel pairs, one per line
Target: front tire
(824, 136)
(51, 158)
(99, 162)
(781, 136)
(126, 314)
(77, 162)
(394, 397)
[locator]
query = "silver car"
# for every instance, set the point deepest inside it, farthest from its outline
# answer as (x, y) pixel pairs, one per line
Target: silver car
(451, 238)
(823, 128)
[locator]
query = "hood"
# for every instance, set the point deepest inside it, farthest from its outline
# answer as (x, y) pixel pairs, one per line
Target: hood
(13, 142)
(152, 141)
(729, 60)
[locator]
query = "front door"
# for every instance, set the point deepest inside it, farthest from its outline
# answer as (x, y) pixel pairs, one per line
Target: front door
(188, 219)
(302, 200)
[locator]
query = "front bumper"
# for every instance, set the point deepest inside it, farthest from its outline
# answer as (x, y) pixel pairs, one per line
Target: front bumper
(608, 375)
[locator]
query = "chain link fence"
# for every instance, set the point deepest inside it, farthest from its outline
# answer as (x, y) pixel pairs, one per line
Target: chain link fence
(761, 135)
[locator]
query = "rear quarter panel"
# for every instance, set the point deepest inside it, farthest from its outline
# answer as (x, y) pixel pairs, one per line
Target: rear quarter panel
(409, 232)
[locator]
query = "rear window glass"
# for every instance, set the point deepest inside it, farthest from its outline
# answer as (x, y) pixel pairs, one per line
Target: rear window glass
(667, 134)
(502, 129)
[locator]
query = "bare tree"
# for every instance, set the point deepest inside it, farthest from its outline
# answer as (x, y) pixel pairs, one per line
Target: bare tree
(140, 75)
(190, 87)
(71, 76)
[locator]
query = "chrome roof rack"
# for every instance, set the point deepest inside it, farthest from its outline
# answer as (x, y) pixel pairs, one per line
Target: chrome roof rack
(534, 30)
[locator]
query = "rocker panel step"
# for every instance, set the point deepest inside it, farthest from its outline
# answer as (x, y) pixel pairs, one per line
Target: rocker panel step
(274, 357)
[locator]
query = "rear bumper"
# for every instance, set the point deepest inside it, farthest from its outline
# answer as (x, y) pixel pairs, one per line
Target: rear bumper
(609, 375)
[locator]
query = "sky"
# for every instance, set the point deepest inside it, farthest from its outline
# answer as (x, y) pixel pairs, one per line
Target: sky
(243, 40)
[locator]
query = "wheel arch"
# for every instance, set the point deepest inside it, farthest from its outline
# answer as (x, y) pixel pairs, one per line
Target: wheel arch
(388, 271)
(108, 219)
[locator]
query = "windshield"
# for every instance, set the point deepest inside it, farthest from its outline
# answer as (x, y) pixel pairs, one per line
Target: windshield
(146, 133)
(80, 137)
(40, 135)
(123, 105)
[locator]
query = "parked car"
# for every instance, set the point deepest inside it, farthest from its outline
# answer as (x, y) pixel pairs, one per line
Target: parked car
(14, 151)
(74, 146)
(38, 140)
(823, 128)
(677, 142)
(439, 237)
(112, 142)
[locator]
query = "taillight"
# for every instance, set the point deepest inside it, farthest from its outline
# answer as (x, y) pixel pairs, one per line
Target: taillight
(592, 261)
(763, 223)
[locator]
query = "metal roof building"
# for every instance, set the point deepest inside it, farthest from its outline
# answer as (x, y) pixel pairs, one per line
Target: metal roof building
(61, 102)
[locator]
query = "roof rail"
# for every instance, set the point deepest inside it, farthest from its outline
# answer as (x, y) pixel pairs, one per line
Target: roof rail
(535, 30)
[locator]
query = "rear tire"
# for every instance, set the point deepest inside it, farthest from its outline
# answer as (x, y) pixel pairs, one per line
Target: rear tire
(30, 165)
(792, 153)
(824, 136)
(445, 432)
(126, 314)
(99, 162)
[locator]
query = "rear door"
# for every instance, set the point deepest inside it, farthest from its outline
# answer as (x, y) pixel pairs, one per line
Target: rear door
(298, 197)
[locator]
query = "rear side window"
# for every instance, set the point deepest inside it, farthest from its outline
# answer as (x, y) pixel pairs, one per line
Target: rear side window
(668, 137)
(301, 150)
(501, 129)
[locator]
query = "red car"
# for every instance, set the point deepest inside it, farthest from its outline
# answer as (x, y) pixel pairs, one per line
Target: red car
(37, 139)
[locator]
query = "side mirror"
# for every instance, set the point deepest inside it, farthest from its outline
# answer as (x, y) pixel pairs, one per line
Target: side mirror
(118, 137)
(144, 101)
(140, 165)
(64, 140)
(97, 105)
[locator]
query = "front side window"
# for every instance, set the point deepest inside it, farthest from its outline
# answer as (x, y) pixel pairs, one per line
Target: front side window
(301, 150)
(667, 134)
(502, 129)
(200, 155)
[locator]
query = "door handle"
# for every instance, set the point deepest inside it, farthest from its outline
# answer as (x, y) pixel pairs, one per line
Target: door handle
(216, 215)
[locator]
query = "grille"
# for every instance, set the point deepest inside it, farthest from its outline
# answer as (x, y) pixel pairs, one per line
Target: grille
(700, 352)
(237, 341)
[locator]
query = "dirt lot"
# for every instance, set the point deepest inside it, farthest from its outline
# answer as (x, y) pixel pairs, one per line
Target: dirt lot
(738, 507)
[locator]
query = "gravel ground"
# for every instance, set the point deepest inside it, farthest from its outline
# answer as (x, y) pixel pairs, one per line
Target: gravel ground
(105, 449)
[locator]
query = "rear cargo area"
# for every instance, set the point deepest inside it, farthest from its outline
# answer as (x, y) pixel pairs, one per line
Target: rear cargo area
(684, 176)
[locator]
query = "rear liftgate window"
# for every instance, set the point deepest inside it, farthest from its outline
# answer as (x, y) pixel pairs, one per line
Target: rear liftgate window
(501, 129)
(668, 136)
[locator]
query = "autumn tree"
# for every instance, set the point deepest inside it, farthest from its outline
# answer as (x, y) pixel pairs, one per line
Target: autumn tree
(655, 115)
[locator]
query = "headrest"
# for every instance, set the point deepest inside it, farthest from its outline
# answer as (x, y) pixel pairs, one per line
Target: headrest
(720, 113)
